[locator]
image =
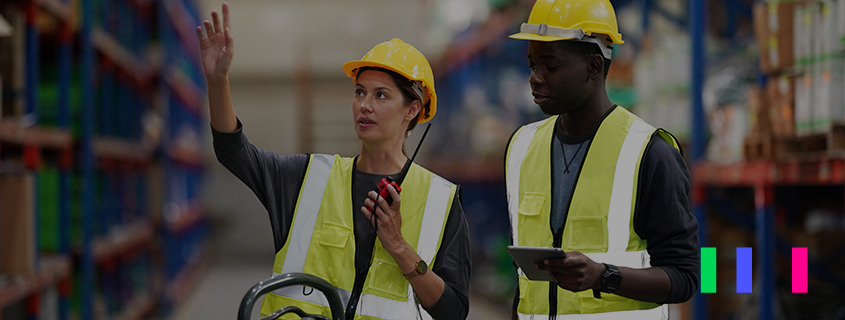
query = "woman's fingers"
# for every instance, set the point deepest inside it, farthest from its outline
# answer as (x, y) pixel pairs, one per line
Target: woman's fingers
(226, 15)
(366, 212)
(229, 40)
(394, 195)
(200, 35)
(382, 203)
(216, 19)
(209, 30)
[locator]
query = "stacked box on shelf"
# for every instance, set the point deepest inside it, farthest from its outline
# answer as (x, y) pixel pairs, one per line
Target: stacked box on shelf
(775, 23)
(780, 96)
(17, 223)
(758, 143)
(774, 31)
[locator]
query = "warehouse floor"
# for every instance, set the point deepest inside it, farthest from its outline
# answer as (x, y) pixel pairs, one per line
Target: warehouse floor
(218, 294)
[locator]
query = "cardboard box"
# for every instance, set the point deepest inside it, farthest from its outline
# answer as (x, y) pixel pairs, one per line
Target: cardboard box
(758, 113)
(773, 27)
(780, 93)
(17, 223)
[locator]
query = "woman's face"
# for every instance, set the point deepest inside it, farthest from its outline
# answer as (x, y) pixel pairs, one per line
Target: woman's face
(379, 109)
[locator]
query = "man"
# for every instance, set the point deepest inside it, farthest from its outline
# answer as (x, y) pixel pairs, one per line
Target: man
(595, 180)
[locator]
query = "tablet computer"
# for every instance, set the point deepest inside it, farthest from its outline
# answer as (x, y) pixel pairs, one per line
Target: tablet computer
(526, 257)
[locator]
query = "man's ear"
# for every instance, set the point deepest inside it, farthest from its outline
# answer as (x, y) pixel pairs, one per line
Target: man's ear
(596, 66)
(413, 110)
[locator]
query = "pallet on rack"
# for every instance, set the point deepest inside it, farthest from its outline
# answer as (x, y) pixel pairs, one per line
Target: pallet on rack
(830, 143)
(756, 147)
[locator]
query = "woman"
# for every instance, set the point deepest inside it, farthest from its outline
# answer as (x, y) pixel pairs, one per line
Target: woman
(377, 259)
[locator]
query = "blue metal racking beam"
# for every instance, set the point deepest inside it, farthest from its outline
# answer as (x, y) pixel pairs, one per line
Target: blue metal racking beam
(764, 204)
(87, 157)
(697, 18)
(64, 79)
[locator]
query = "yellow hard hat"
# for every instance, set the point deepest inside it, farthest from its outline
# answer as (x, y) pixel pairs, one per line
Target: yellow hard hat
(404, 59)
(578, 20)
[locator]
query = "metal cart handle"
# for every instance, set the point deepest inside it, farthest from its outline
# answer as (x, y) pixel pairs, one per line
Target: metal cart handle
(286, 280)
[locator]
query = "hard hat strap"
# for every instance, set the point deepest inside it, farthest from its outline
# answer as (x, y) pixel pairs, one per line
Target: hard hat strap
(604, 43)
(417, 86)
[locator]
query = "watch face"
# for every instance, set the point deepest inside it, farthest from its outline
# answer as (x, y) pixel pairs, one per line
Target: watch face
(421, 267)
(610, 279)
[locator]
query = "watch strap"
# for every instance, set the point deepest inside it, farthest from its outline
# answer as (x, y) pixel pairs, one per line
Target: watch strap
(419, 268)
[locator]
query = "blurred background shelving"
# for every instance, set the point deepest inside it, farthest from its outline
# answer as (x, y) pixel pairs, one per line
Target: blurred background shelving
(98, 145)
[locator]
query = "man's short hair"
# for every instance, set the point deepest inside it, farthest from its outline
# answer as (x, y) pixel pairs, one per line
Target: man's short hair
(585, 50)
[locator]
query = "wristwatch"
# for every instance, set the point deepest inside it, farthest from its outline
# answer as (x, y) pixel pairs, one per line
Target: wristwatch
(420, 268)
(610, 279)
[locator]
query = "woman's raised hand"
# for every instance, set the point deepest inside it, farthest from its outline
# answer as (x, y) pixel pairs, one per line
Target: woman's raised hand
(216, 45)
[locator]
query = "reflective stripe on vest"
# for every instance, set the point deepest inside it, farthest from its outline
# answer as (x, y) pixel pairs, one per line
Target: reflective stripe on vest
(518, 147)
(599, 223)
(429, 205)
(310, 196)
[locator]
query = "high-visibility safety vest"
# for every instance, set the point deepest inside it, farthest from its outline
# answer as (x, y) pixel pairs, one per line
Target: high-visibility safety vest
(599, 221)
(321, 241)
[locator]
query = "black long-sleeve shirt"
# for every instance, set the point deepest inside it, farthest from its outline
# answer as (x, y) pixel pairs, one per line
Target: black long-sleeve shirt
(276, 180)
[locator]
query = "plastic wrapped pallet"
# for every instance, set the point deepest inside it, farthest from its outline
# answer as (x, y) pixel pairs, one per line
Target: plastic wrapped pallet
(804, 16)
(828, 67)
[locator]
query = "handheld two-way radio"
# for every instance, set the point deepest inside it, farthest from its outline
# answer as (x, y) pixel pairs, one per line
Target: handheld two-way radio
(383, 192)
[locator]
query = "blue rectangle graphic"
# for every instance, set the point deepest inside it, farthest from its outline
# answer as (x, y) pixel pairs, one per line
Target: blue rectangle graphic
(743, 270)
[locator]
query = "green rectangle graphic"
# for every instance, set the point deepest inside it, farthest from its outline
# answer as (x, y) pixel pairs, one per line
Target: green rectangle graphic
(708, 270)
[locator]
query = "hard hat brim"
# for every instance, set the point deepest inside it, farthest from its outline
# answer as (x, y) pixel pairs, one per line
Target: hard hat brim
(537, 37)
(350, 67)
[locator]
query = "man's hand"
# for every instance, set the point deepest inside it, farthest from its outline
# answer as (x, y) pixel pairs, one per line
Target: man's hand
(575, 273)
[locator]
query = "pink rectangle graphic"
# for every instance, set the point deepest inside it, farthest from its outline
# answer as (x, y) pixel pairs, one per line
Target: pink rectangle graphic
(799, 270)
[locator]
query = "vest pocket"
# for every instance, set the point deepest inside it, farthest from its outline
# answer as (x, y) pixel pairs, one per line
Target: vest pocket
(334, 235)
(386, 280)
(532, 204)
(587, 233)
(330, 252)
(530, 208)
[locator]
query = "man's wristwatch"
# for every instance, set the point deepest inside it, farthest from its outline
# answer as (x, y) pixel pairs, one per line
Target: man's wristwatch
(610, 279)
(420, 268)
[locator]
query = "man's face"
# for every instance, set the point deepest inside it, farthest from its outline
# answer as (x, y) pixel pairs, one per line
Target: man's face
(559, 77)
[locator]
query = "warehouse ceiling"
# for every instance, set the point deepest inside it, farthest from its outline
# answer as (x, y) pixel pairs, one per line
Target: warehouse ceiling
(273, 39)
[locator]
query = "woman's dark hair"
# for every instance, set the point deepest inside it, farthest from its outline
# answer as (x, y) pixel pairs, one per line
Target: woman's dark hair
(404, 85)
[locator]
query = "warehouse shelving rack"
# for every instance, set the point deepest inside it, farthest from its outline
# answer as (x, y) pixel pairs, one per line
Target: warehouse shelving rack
(762, 177)
(118, 67)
